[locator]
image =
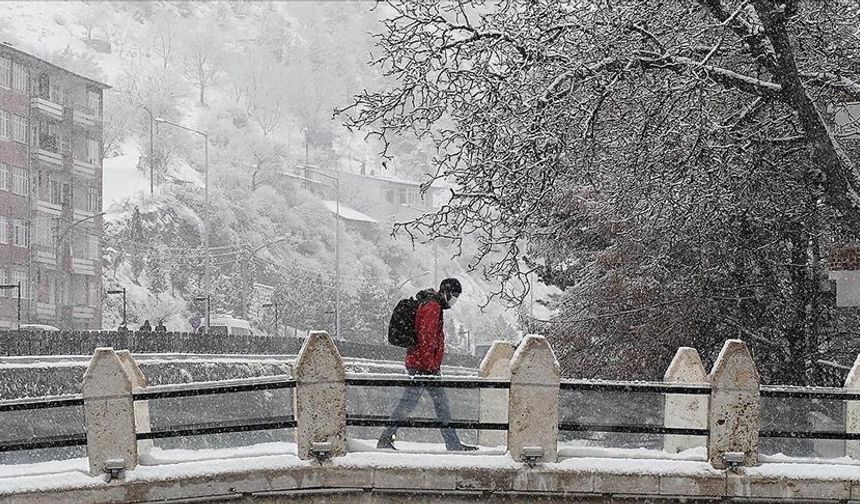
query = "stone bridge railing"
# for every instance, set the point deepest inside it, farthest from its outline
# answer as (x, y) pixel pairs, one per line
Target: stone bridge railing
(519, 410)
(23, 343)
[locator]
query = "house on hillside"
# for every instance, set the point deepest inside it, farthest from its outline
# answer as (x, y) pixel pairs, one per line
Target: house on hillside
(387, 198)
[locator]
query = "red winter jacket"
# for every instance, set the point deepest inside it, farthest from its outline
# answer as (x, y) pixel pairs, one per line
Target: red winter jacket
(428, 354)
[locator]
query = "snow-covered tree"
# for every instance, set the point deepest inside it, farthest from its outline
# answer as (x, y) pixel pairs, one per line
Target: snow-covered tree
(671, 165)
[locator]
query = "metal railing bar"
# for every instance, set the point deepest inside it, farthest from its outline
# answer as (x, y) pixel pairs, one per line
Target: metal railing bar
(631, 429)
(201, 429)
(794, 392)
(636, 386)
(44, 442)
(63, 401)
(847, 436)
(214, 387)
(466, 382)
(419, 423)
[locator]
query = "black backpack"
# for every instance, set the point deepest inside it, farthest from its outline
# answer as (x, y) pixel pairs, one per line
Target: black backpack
(401, 328)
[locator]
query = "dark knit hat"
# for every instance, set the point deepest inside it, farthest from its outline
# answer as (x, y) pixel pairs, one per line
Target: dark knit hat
(451, 285)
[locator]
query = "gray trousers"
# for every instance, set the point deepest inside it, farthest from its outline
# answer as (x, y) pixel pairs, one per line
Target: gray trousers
(410, 398)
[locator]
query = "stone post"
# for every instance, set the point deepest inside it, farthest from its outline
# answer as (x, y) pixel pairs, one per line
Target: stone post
(320, 399)
(533, 404)
(733, 410)
(108, 412)
(852, 411)
(494, 402)
(141, 408)
(685, 411)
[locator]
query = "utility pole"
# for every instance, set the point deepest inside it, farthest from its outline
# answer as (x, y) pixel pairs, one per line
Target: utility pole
(207, 276)
(151, 155)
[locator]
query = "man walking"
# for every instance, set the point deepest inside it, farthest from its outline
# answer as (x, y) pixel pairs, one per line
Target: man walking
(425, 360)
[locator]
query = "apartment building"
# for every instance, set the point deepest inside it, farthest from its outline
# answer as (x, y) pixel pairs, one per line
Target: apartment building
(50, 193)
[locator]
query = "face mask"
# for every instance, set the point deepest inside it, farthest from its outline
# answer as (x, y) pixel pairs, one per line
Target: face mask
(452, 300)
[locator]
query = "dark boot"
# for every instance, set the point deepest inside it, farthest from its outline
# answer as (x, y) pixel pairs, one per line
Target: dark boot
(461, 447)
(385, 443)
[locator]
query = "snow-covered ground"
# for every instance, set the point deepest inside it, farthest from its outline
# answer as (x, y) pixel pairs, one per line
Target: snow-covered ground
(166, 464)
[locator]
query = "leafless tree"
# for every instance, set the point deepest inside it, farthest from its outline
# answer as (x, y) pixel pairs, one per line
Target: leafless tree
(672, 165)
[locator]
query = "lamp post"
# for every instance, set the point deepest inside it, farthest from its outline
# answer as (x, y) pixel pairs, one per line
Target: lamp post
(58, 240)
(275, 305)
(336, 237)
(117, 291)
(207, 287)
(206, 298)
(151, 151)
(16, 286)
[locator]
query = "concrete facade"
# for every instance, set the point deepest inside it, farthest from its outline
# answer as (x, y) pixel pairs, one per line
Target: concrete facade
(493, 407)
(733, 408)
(320, 398)
(397, 478)
(533, 404)
(685, 411)
(50, 192)
(109, 412)
(852, 411)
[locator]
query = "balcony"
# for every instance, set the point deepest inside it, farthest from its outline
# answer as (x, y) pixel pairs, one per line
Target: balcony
(47, 151)
(83, 312)
(85, 116)
(83, 266)
(78, 214)
(47, 107)
(44, 257)
(46, 311)
(84, 168)
(53, 209)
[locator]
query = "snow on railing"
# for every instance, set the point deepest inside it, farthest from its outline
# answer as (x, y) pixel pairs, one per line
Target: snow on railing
(519, 405)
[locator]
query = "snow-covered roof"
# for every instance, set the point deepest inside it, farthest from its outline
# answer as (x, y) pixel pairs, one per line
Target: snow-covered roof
(347, 212)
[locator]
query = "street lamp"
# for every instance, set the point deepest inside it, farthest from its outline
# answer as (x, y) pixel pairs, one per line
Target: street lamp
(18, 287)
(117, 291)
(206, 274)
(336, 237)
(151, 151)
(275, 305)
(58, 240)
(208, 299)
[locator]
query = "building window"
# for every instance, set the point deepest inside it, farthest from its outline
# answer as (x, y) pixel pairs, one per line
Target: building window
(4, 124)
(5, 72)
(401, 196)
(20, 181)
(4, 226)
(20, 78)
(19, 276)
(92, 203)
(20, 233)
(4, 177)
(19, 129)
(56, 192)
(93, 151)
(94, 247)
(43, 235)
(94, 102)
(389, 195)
(85, 246)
